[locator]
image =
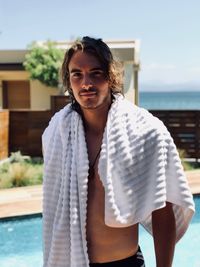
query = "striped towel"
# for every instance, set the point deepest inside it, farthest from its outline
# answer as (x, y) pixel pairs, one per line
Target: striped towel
(139, 167)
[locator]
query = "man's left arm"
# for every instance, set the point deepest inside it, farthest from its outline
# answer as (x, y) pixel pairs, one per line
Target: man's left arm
(164, 234)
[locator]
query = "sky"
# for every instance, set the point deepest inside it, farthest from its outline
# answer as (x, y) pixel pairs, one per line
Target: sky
(169, 32)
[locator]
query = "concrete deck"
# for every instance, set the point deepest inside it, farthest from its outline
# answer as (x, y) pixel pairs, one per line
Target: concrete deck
(28, 200)
(20, 201)
(194, 180)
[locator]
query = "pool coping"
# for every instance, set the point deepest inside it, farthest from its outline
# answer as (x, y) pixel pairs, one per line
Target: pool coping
(21, 217)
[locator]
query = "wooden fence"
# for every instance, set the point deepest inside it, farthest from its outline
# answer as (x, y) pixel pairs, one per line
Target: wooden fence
(184, 127)
(4, 122)
(58, 102)
(26, 128)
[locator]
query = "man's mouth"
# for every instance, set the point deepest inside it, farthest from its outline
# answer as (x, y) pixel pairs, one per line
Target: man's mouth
(89, 92)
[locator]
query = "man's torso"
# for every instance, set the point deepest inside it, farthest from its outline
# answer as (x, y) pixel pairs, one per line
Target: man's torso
(105, 243)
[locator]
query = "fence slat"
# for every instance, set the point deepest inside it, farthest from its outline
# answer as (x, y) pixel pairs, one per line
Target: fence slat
(26, 128)
(4, 122)
(184, 127)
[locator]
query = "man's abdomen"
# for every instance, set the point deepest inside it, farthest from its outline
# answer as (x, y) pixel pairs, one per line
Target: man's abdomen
(105, 243)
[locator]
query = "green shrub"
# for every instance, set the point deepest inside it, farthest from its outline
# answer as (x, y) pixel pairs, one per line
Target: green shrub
(20, 171)
(43, 63)
(186, 165)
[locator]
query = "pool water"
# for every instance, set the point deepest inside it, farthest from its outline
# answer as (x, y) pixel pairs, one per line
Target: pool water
(187, 252)
(21, 243)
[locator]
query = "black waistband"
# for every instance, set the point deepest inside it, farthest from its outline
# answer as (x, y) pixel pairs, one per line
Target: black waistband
(135, 260)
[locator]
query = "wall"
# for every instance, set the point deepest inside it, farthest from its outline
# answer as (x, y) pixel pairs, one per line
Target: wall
(41, 95)
(129, 90)
(9, 76)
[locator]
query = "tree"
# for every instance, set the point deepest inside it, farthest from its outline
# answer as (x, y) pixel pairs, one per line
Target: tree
(44, 62)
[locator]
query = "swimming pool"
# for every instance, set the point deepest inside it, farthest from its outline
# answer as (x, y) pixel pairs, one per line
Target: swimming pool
(187, 249)
(21, 243)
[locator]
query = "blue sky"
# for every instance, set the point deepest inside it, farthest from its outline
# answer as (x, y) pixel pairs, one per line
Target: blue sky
(169, 31)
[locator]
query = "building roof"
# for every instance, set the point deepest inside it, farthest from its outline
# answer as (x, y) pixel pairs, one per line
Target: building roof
(124, 50)
(12, 56)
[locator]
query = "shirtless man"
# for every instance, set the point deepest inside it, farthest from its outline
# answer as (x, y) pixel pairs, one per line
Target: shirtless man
(93, 78)
(91, 90)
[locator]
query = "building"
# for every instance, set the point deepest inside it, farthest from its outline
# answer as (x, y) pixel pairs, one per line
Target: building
(17, 91)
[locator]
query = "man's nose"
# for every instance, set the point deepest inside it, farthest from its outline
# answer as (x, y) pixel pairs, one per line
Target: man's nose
(86, 82)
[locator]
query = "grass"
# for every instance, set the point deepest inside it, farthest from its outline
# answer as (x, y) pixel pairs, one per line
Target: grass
(20, 171)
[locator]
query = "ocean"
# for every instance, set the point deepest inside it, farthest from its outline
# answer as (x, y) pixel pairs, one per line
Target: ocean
(175, 100)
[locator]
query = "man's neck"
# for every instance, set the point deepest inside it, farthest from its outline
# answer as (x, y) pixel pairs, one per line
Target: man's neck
(95, 120)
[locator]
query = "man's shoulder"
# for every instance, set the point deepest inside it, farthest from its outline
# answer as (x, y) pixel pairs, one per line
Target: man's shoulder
(145, 121)
(55, 120)
(65, 111)
(59, 120)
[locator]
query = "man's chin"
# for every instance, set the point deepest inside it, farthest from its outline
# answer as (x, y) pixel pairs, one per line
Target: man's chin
(89, 104)
(91, 107)
(94, 105)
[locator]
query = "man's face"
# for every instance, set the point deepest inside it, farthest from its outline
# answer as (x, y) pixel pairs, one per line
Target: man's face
(88, 81)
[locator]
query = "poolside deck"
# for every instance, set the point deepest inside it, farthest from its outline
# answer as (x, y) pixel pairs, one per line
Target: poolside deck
(28, 200)
(20, 201)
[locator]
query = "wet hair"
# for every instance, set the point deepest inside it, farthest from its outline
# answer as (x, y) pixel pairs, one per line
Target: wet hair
(99, 49)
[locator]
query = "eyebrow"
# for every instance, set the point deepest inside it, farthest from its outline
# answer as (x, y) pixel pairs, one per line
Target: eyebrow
(93, 69)
(75, 70)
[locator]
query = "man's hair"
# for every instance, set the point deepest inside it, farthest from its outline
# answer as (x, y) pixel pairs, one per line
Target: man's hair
(99, 49)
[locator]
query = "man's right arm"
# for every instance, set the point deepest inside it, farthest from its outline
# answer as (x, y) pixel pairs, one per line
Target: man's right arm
(164, 234)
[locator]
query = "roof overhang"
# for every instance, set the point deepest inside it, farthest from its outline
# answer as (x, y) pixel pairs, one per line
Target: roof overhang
(12, 56)
(127, 51)
(123, 50)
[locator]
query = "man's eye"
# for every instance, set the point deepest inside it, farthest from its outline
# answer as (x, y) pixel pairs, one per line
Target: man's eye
(98, 73)
(76, 74)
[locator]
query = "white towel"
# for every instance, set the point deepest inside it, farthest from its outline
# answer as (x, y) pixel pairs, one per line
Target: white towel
(139, 167)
